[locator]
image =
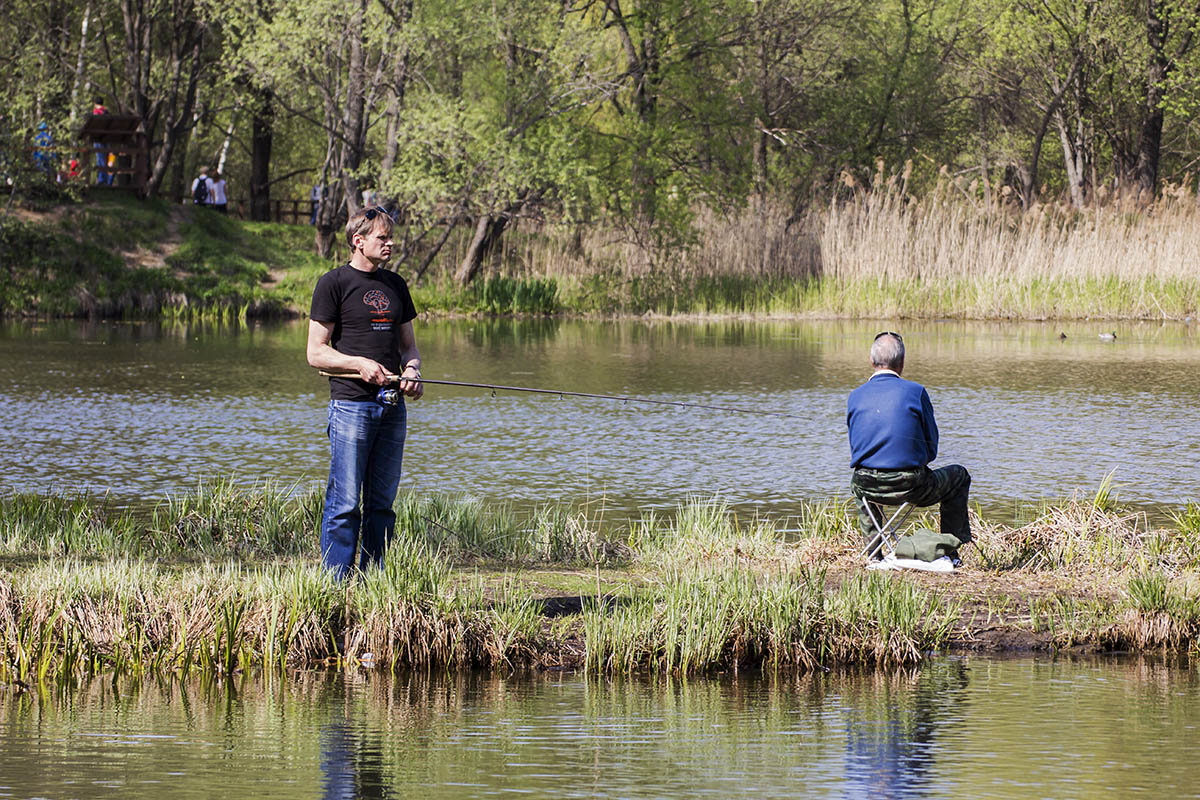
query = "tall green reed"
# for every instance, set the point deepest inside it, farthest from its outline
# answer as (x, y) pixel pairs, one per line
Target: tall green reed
(221, 517)
(467, 527)
(699, 620)
(62, 524)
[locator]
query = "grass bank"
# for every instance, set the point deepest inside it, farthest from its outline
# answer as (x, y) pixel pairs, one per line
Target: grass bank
(226, 578)
(871, 252)
(117, 256)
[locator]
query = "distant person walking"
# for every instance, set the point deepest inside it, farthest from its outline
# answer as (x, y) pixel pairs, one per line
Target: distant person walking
(361, 321)
(103, 176)
(217, 201)
(202, 188)
(318, 191)
(43, 151)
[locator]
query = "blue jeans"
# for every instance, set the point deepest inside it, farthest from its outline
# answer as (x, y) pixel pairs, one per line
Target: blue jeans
(102, 176)
(366, 442)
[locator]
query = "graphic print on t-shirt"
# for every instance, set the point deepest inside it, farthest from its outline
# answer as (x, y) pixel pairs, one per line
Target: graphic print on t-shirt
(380, 304)
(368, 311)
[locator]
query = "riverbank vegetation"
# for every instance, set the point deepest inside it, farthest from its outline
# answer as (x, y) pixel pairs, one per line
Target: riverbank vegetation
(226, 578)
(893, 158)
(873, 253)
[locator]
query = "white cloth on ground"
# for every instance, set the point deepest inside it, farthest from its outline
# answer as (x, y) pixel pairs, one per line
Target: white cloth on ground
(943, 564)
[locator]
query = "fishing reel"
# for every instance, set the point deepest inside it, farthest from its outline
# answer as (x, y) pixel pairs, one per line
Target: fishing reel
(389, 397)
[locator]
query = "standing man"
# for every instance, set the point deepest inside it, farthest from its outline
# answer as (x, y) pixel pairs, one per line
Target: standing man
(893, 437)
(361, 320)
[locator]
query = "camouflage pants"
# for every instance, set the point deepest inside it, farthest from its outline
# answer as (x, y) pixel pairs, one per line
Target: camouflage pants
(921, 487)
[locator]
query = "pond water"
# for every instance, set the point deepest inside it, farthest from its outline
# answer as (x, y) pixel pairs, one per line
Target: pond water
(141, 410)
(955, 727)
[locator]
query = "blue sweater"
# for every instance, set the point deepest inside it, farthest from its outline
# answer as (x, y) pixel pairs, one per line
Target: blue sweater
(891, 424)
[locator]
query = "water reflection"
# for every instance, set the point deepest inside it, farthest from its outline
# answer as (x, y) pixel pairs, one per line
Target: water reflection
(954, 727)
(352, 763)
(895, 734)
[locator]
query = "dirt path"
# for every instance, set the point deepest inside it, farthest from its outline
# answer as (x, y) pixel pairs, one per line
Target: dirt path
(140, 257)
(156, 257)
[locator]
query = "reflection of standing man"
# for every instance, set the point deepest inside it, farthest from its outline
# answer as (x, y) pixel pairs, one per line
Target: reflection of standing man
(361, 320)
(893, 437)
(353, 768)
(894, 730)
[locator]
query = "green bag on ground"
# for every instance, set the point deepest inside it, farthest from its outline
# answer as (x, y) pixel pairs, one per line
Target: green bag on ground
(926, 545)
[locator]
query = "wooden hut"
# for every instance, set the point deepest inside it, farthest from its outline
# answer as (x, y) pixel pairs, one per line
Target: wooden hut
(120, 154)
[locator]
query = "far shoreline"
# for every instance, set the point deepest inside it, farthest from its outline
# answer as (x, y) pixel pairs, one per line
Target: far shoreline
(297, 315)
(866, 258)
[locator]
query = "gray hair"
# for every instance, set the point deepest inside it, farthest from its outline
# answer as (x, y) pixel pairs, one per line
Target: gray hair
(887, 352)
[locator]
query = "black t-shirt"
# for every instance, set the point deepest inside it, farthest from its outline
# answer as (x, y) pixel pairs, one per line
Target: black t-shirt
(367, 309)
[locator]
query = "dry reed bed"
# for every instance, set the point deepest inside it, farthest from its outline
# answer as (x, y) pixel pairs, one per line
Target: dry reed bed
(1046, 262)
(888, 236)
(881, 252)
(685, 593)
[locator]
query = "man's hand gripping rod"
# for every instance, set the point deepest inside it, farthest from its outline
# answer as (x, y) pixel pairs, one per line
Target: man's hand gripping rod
(495, 387)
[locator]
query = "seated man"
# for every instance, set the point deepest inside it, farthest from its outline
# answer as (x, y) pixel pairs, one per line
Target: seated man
(893, 437)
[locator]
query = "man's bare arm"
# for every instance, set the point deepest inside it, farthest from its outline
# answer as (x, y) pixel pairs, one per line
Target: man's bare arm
(321, 355)
(410, 362)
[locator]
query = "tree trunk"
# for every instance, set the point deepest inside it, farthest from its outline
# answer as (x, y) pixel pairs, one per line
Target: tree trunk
(645, 175)
(394, 110)
(1053, 111)
(262, 130)
(79, 63)
(642, 66)
(223, 153)
(139, 56)
(437, 248)
(1150, 142)
(893, 81)
(330, 204)
(331, 190)
(399, 89)
(488, 230)
(189, 37)
(354, 126)
(330, 208)
(175, 188)
(1070, 161)
(764, 118)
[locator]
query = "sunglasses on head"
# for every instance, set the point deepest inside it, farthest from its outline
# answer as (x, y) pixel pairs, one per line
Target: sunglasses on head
(899, 338)
(372, 213)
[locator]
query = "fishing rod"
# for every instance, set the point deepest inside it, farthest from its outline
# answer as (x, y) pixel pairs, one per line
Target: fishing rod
(392, 396)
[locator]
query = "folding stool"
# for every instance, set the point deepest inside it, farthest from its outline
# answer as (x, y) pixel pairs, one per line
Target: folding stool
(886, 533)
